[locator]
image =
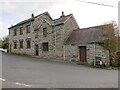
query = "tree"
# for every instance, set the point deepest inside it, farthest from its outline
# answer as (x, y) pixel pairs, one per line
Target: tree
(0, 43)
(111, 42)
(5, 42)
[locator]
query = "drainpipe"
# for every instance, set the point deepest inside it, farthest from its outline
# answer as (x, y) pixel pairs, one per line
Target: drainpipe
(94, 62)
(55, 40)
(118, 26)
(64, 51)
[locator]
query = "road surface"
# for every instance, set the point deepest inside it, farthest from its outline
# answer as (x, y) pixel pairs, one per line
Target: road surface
(28, 72)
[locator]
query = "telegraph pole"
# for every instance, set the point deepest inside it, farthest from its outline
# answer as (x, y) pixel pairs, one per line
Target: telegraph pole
(118, 26)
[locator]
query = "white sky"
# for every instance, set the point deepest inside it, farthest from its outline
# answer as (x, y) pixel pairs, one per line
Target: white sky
(86, 15)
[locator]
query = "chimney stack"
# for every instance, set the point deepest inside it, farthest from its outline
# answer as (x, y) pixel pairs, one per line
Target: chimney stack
(62, 14)
(32, 15)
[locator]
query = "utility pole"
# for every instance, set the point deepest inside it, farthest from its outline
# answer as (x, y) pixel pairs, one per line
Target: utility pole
(94, 62)
(118, 26)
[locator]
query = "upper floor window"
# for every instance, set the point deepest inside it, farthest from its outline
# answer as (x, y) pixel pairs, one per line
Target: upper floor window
(15, 32)
(15, 44)
(36, 35)
(45, 32)
(45, 46)
(21, 30)
(21, 43)
(28, 29)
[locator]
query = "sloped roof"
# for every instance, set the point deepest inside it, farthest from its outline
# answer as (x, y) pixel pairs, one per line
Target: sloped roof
(57, 21)
(84, 36)
(61, 20)
(28, 20)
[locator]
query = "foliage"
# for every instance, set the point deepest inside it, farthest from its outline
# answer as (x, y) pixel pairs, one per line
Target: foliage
(111, 41)
(116, 63)
(0, 43)
(119, 43)
(5, 43)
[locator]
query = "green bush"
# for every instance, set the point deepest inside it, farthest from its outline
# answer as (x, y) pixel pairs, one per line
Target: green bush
(5, 43)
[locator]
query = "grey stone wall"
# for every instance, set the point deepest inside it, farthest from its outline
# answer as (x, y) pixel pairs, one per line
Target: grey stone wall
(56, 37)
(62, 33)
(71, 53)
(93, 51)
(18, 37)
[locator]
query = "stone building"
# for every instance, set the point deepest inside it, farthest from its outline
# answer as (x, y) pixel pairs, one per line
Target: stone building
(60, 38)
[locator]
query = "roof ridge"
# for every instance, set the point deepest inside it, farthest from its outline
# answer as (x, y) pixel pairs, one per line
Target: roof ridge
(40, 14)
(64, 16)
(96, 26)
(31, 18)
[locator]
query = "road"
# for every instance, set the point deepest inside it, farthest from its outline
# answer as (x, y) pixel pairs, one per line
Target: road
(28, 72)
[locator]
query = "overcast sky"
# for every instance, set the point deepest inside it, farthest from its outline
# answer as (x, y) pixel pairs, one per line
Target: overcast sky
(86, 14)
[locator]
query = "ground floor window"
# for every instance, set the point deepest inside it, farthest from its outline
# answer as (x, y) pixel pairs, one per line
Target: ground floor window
(15, 45)
(21, 44)
(45, 46)
(28, 44)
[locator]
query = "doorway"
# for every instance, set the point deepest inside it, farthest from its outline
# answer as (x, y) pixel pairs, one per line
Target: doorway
(36, 50)
(82, 53)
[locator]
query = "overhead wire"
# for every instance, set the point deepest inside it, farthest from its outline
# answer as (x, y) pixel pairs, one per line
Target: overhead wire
(97, 3)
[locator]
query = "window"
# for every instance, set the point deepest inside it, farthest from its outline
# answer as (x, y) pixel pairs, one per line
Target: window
(28, 29)
(28, 44)
(15, 32)
(15, 44)
(45, 32)
(36, 35)
(21, 30)
(21, 43)
(45, 46)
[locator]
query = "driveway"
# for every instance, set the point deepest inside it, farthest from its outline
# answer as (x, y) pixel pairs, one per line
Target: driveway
(28, 72)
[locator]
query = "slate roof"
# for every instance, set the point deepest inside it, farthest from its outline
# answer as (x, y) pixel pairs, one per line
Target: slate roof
(57, 21)
(86, 35)
(61, 20)
(23, 22)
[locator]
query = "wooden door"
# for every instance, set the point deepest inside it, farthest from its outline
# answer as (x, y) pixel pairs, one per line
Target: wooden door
(82, 53)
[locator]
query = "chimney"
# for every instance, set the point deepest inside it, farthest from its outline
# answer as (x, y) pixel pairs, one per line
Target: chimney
(62, 14)
(32, 15)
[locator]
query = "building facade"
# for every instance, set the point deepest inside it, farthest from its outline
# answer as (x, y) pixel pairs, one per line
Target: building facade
(44, 37)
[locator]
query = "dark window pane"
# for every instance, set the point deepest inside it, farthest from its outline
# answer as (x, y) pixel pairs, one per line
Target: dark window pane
(44, 32)
(15, 32)
(15, 45)
(28, 29)
(45, 46)
(28, 44)
(21, 30)
(21, 44)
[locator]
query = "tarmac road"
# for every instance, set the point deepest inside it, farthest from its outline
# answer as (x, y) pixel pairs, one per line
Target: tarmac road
(28, 72)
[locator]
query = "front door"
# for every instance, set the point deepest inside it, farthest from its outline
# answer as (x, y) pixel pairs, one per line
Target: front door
(82, 53)
(36, 50)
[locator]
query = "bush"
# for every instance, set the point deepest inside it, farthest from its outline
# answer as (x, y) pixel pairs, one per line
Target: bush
(116, 63)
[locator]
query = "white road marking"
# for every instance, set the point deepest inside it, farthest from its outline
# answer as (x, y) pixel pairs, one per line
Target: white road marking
(23, 84)
(2, 79)
(17, 83)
